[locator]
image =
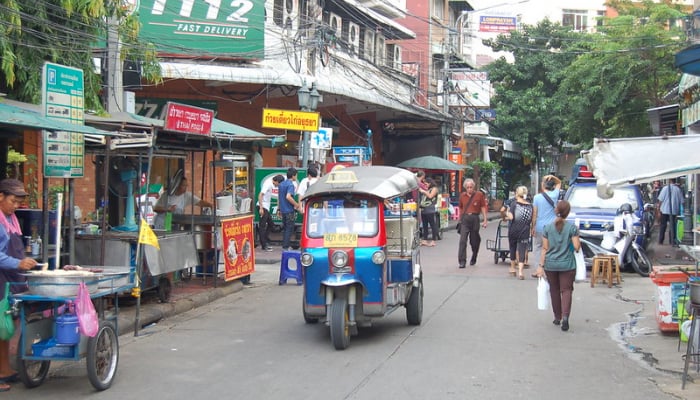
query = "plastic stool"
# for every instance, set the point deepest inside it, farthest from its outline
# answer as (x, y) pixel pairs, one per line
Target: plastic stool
(455, 215)
(286, 272)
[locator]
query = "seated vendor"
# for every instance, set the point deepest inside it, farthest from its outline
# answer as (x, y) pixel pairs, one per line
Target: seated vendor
(177, 203)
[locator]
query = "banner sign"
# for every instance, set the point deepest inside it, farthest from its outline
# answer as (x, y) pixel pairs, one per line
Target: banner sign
(497, 24)
(63, 99)
(188, 119)
(237, 247)
(209, 27)
(292, 120)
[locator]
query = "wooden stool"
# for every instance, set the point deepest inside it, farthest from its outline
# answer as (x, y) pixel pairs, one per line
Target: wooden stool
(606, 268)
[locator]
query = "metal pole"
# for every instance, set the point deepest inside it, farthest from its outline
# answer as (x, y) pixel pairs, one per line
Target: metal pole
(305, 149)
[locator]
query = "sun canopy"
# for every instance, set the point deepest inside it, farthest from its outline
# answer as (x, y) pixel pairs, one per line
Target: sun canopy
(431, 162)
(618, 162)
(14, 116)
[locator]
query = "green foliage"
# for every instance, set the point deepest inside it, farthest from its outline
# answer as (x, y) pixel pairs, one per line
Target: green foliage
(571, 87)
(64, 32)
(485, 171)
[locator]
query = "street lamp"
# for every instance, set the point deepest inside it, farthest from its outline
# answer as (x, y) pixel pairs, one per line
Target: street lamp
(308, 101)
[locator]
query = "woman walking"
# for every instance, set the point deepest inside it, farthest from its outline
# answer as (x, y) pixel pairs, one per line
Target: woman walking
(559, 242)
(521, 228)
(428, 213)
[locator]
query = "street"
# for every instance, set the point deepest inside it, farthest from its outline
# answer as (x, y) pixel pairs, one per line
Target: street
(482, 337)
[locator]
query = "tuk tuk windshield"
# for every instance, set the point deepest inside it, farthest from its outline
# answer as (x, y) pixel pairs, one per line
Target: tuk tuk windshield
(342, 215)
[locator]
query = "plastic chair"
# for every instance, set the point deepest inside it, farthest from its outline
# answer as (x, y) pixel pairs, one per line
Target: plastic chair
(286, 272)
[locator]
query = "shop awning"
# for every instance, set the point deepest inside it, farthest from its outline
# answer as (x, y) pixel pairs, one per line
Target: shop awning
(14, 116)
(618, 162)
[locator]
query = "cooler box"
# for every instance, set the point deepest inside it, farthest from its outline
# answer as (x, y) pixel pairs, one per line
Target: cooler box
(670, 285)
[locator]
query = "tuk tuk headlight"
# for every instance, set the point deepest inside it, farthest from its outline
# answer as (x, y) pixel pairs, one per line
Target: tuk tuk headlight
(378, 257)
(307, 259)
(339, 258)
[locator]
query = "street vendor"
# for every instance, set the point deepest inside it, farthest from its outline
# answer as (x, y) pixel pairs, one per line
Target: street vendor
(12, 261)
(176, 203)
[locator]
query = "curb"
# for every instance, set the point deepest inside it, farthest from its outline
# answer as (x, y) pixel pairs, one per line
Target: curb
(151, 313)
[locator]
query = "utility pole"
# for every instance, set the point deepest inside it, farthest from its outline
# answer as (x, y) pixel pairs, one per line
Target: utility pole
(115, 88)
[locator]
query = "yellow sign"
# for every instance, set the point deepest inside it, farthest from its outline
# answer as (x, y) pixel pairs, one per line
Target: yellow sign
(293, 120)
(340, 240)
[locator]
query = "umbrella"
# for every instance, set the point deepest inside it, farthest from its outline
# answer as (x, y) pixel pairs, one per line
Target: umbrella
(431, 162)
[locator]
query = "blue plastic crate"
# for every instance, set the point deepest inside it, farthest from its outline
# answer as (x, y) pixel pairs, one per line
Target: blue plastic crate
(49, 348)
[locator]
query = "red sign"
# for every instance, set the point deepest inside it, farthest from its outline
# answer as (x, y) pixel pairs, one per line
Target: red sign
(237, 248)
(188, 119)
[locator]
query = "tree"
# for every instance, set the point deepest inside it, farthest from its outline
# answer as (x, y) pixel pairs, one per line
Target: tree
(628, 69)
(68, 32)
(525, 103)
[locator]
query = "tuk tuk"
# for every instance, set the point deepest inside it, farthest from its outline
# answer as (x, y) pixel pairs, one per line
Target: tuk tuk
(360, 249)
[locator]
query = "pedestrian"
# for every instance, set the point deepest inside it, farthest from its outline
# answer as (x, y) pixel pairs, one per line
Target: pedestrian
(520, 230)
(257, 157)
(12, 261)
(560, 241)
(312, 173)
(544, 204)
(288, 206)
(267, 191)
(420, 175)
(669, 203)
(428, 212)
(176, 203)
(472, 202)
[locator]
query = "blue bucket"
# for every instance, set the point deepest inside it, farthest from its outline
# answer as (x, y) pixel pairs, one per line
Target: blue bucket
(67, 329)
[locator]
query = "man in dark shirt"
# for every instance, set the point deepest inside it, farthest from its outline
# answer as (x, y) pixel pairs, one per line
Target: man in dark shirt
(288, 206)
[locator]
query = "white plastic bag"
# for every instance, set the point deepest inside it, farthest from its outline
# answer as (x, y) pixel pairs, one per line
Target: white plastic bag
(542, 294)
(580, 266)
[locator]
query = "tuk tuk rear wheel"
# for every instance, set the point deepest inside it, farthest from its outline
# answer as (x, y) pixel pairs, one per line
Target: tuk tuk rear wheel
(414, 307)
(339, 323)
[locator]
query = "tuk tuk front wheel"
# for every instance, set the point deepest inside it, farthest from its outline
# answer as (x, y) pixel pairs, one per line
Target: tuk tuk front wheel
(339, 323)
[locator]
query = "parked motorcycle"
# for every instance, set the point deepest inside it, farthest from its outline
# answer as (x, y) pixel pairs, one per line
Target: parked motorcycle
(622, 241)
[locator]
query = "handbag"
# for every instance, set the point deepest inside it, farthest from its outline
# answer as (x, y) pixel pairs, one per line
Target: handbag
(543, 298)
(7, 325)
(580, 266)
(425, 201)
(85, 310)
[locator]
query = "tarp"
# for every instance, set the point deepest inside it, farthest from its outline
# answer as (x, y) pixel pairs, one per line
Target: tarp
(431, 162)
(18, 117)
(618, 162)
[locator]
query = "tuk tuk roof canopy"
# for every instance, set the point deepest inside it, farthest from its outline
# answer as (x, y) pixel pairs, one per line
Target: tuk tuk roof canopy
(619, 162)
(378, 181)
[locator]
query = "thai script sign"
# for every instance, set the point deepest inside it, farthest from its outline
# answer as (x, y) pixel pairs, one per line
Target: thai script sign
(237, 247)
(188, 119)
(292, 120)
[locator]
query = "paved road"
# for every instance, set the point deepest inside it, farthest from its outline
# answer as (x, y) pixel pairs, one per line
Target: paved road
(482, 337)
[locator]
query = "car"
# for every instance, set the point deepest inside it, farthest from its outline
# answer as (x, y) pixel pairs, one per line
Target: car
(593, 214)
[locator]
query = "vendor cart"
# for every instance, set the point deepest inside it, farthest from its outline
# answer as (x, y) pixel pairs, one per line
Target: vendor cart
(499, 246)
(49, 300)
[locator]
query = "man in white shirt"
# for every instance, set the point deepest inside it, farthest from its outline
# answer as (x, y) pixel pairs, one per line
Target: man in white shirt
(177, 203)
(268, 189)
(257, 157)
(310, 179)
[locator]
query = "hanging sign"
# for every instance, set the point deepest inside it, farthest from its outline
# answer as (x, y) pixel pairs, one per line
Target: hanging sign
(292, 120)
(188, 119)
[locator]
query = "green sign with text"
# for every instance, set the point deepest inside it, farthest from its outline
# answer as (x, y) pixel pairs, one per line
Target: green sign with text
(217, 27)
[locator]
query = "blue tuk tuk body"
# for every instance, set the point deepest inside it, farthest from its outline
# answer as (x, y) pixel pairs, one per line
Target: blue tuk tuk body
(361, 260)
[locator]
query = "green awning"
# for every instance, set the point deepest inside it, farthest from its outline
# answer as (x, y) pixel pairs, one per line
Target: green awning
(17, 117)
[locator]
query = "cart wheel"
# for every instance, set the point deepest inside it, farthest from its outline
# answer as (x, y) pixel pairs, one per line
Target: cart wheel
(495, 257)
(414, 307)
(103, 356)
(340, 328)
(31, 373)
(165, 288)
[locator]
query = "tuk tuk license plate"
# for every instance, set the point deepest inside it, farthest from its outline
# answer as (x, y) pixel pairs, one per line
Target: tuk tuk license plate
(340, 240)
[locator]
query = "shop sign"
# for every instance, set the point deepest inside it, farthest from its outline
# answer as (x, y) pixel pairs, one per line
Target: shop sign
(237, 249)
(63, 99)
(188, 119)
(209, 27)
(496, 23)
(292, 120)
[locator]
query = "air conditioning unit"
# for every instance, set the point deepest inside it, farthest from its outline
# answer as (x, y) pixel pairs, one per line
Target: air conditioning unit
(393, 56)
(285, 14)
(353, 38)
(380, 50)
(368, 45)
(335, 23)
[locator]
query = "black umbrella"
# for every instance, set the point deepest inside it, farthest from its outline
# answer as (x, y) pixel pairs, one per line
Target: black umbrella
(431, 162)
